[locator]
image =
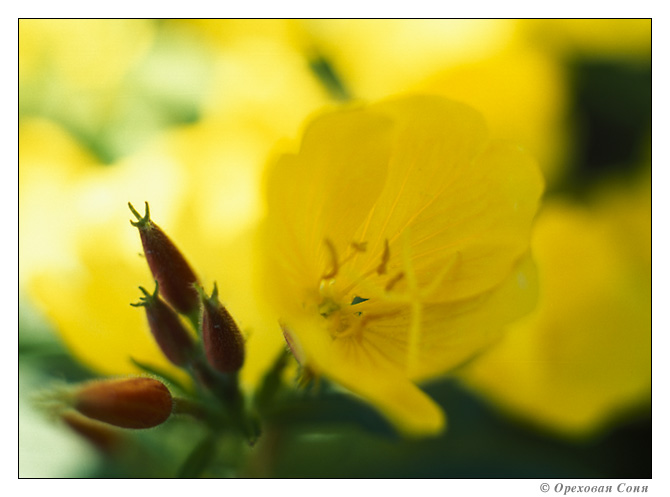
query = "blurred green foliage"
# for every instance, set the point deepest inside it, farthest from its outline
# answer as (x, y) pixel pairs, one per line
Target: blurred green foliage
(611, 121)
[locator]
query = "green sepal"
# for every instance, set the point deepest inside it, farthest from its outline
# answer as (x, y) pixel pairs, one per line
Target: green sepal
(142, 221)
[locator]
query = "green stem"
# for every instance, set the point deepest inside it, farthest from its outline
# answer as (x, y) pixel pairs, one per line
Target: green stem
(226, 389)
(192, 408)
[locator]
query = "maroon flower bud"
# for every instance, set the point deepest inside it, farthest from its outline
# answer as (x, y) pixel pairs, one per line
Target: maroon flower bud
(102, 436)
(126, 403)
(166, 327)
(222, 340)
(176, 279)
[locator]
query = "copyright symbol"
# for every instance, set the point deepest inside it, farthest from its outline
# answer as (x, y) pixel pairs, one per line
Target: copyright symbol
(544, 487)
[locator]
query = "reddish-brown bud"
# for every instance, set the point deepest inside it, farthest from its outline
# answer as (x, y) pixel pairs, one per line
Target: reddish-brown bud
(222, 340)
(166, 327)
(102, 436)
(127, 403)
(176, 279)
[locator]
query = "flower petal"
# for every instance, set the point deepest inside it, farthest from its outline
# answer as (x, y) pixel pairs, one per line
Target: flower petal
(583, 357)
(451, 333)
(323, 193)
(456, 195)
(364, 370)
(491, 227)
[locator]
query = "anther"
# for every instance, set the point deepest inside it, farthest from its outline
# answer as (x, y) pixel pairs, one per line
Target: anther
(333, 257)
(381, 269)
(391, 283)
(359, 246)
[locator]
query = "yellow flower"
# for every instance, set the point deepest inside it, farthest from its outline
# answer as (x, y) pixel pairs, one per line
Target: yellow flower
(582, 359)
(395, 247)
(487, 63)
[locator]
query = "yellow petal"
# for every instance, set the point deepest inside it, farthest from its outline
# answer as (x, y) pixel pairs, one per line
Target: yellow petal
(362, 368)
(457, 195)
(583, 357)
(491, 227)
(451, 333)
(323, 193)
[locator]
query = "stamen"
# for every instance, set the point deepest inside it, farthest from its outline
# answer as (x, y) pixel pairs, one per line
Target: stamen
(389, 286)
(333, 259)
(381, 269)
(359, 246)
(357, 249)
(348, 322)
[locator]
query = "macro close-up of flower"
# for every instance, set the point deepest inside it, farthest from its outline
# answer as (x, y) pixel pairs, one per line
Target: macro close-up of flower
(395, 243)
(334, 248)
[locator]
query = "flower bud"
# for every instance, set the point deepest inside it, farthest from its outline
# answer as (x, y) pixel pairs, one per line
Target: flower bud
(222, 340)
(102, 436)
(127, 403)
(176, 279)
(166, 327)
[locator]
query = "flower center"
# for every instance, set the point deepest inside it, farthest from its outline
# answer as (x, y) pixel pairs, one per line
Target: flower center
(339, 304)
(338, 307)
